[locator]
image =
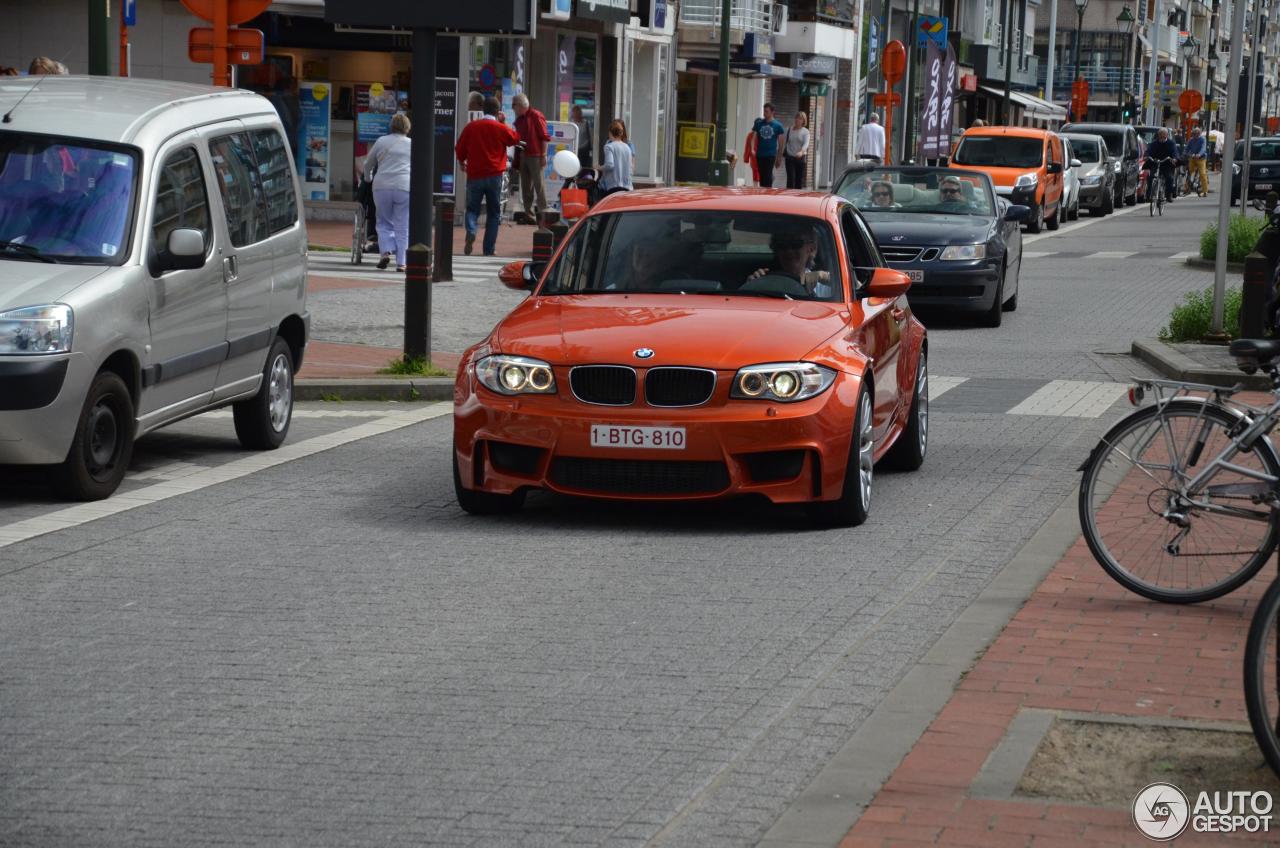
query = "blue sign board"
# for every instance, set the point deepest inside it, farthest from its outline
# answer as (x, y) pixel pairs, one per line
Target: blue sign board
(130, 12)
(929, 28)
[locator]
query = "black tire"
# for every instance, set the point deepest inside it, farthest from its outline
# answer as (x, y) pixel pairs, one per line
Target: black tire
(995, 314)
(103, 444)
(854, 503)
(1110, 204)
(908, 453)
(1200, 419)
(484, 503)
(1011, 305)
(1056, 221)
(1132, 199)
(1037, 225)
(1259, 665)
(262, 422)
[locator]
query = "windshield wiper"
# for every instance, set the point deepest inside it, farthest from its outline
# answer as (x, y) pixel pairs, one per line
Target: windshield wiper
(760, 293)
(26, 250)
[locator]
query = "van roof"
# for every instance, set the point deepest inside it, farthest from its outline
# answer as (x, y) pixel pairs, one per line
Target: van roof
(114, 108)
(1018, 132)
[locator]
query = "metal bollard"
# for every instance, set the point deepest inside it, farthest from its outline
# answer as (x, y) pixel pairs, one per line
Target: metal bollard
(442, 268)
(543, 245)
(417, 303)
(558, 231)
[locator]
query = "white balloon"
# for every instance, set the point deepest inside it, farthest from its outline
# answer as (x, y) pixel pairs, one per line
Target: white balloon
(566, 164)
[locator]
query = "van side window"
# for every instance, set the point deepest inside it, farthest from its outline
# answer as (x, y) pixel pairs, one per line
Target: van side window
(241, 187)
(181, 200)
(277, 179)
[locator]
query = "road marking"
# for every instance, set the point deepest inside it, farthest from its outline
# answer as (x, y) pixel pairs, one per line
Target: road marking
(939, 386)
(1071, 399)
(310, 413)
(1038, 254)
(1111, 254)
(171, 471)
(1076, 226)
(338, 264)
(1184, 255)
(20, 531)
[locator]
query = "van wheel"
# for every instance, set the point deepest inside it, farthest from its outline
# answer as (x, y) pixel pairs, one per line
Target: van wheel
(262, 422)
(1038, 224)
(1056, 221)
(103, 445)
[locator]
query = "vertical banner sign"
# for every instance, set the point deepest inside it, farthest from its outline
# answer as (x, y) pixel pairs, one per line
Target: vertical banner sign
(313, 139)
(564, 76)
(873, 44)
(930, 114)
(950, 78)
(446, 97)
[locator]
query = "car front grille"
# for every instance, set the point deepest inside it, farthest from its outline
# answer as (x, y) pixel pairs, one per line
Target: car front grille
(679, 386)
(608, 385)
(899, 253)
(639, 477)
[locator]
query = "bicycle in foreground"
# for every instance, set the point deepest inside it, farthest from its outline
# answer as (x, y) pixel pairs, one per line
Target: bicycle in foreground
(1157, 192)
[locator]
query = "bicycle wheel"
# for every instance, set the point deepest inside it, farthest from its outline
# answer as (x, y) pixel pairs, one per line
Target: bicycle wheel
(1152, 192)
(357, 237)
(1146, 534)
(1262, 675)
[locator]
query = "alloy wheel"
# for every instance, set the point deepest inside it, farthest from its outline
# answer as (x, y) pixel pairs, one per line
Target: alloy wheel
(280, 393)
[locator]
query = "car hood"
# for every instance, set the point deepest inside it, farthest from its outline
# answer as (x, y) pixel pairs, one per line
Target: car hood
(1001, 176)
(24, 283)
(921, 229)
(1091, 169)
(711, 331)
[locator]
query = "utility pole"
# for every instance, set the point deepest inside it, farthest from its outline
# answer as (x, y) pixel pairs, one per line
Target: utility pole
(718, 173)
(1053, 32)
(908, 111)
(1224, 188)
(1008, 60)
(99, 37)
(1154, 113)
(1249, 109)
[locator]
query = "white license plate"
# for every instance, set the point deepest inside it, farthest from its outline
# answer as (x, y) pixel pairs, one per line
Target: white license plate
(1263, 186)
(915, 276)
(624, 436)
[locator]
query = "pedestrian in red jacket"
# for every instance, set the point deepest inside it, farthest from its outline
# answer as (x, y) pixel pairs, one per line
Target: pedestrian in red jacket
(532, 127)
(482, 151)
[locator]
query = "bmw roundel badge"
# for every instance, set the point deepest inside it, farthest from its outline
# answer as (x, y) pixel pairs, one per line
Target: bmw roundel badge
(644, 353)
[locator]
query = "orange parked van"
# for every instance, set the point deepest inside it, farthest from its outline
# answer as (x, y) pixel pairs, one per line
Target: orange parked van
(1025, 165)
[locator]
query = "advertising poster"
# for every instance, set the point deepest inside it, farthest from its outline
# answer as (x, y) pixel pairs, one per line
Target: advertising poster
(950, 74)
(374, 106)
(313, 139)
(564, 136)
(564, 75)
(931, 109)
(446, 96)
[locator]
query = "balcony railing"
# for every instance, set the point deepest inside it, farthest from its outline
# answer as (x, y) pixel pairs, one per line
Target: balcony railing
(746, 15)
(1101, 81)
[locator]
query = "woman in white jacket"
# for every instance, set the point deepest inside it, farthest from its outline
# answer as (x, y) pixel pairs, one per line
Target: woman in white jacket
(388, 164)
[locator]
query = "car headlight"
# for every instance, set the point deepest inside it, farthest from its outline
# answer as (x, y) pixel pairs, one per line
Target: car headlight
(1115, 166)
(1026, 181)
(515, 375)
(1091, 181)
(781, 381)
(36, 330)
(965, 251)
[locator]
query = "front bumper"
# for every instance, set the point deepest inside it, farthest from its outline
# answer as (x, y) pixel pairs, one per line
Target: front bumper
(40, 404)
(1021, 197)
(788, 452)
(1094, 196)
(969, 285)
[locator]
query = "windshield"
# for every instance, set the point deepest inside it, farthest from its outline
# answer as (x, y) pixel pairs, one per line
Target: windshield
(70, 201)
(938, 191)
(1000, 151)
(1266, 151)
(1113, 138)
(741, 254)
(1148, 134)
(1086, 151)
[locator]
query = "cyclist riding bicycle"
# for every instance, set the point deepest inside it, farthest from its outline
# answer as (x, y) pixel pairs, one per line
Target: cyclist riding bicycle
(1165, 152)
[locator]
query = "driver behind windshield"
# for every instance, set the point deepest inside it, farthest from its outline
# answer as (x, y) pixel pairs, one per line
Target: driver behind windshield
(794, 251)
(951, 196)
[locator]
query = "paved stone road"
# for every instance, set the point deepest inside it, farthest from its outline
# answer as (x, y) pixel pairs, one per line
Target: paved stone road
(328, 652)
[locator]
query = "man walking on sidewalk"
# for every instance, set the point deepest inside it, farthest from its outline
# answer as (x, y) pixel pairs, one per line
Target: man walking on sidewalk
(767, 131)
(870, 144)
(532, 127)
(482, 152)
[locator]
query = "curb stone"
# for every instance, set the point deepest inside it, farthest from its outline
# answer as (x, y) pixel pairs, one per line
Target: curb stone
(1209, 265)
(424, 389)
(1176, 365)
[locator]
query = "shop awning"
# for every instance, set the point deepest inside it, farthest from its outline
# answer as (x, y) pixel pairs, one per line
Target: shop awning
(1034, 106)
(744, 69)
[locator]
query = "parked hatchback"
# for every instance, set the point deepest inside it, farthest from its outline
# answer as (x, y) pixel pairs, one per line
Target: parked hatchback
(1096, 172)
(1126, 153)
(1025, 164)
(1264, 168)
(152, 266)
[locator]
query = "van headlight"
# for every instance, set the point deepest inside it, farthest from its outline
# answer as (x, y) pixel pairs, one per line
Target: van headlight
(781, 381)
(516, 375)
(35, 330)
(1026, 181)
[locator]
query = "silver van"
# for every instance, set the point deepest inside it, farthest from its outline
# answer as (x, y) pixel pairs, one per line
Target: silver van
(152, 267)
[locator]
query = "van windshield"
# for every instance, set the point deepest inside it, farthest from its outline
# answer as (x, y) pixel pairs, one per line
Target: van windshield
(1000, 151)
(65, 200)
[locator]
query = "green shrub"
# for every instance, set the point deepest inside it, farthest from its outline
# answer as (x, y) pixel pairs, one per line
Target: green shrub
(1242, 235)
(1191, 318)
(414, 367)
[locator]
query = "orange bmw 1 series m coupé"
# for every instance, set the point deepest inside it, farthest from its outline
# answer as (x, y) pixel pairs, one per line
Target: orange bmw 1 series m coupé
(698, 343)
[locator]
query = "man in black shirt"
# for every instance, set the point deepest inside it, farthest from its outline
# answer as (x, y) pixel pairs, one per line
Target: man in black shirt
(1163, 148)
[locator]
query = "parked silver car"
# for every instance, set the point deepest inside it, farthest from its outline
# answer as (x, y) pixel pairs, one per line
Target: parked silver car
(152, 266)
(1096, 172)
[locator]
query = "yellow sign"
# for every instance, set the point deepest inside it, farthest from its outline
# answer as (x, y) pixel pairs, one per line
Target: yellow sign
(695, 142)
(376, 90)
(320, 91)
(1211, 106)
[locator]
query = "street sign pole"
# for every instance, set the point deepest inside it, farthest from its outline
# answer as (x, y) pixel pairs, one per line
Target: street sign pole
(417, 288)
(718, 174)
(1248, 115)
(1053, 29)
(1155, 109)
(1224, 188)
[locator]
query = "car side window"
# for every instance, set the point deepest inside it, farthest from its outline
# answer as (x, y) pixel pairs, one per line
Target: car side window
(181, 199)
(241, 187)
(277, 179)
(860, 247)
(575, 267)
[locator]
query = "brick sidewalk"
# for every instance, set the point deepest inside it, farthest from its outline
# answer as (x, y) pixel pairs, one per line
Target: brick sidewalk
(513, 239)
(1081, 643)
(329, 360)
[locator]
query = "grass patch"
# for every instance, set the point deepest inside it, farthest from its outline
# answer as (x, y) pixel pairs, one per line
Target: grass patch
(1242, 235)
(1191, 318)
(330, 397)
(414, 367)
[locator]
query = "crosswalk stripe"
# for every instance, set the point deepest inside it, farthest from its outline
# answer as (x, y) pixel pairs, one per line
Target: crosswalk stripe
(1186, 254)
(1112, 254)
(1038, 254)
(939, 386)
(1071, 399)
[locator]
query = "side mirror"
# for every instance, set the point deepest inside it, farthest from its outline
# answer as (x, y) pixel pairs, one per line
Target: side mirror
(886, 282)
(1075, 163)
(1017, 213)
(521, 275)
(183, 251)
(1053, 168)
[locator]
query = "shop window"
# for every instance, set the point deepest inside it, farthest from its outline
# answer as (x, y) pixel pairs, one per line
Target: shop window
(576, 77)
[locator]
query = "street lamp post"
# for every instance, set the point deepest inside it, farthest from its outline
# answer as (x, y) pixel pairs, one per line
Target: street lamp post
(1125, 20)
(1189, 48)
(718, 173)
(1080, 4)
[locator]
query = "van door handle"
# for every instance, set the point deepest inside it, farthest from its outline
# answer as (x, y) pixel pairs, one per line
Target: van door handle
(230, 269)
